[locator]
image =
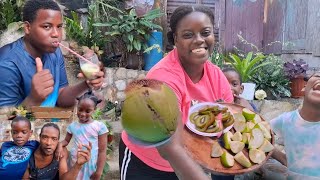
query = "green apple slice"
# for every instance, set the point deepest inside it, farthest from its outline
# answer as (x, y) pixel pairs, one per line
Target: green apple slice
(257, 156)
(236, 146)
(250, 125)
(239, 117)
(227, 160)
(237, 136)
(248, 114)
(242, 159)
(217, 150)
(265, 131)
(246, 138)
(240, 126)
(266, 125)
(256, 119)
(266, 146)
(256, 138)
(227, 139)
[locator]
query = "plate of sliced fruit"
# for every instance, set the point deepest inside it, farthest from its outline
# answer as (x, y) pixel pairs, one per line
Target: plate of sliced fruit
(209, 119)
(244, 147)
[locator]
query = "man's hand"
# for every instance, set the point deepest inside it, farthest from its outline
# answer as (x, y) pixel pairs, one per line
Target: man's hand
(96, 176)
(97, 82)
(42, 83)
(83, 155)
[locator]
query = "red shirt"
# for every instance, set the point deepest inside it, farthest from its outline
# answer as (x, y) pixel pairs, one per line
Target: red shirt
(211, 87)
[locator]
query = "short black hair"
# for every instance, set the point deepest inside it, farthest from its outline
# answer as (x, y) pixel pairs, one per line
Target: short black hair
(231, 69)
(90, 95)
(21, 118)
(50, 125)
(183, 11)
(32, 7)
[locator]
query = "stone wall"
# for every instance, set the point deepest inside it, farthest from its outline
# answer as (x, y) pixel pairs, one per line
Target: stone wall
(117, 80)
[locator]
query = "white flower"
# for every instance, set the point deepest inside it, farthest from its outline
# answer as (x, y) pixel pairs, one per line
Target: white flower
(260, 94)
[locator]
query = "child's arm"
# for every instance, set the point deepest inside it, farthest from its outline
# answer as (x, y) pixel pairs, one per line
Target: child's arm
(26, 174)
(243, 102)
(102, 156)
(280, 156)
(61, 145)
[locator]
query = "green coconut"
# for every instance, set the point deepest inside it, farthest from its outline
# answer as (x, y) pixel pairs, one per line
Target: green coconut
(150, 110)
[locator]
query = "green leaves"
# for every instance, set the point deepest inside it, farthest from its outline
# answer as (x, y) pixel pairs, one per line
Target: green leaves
(132, 30)
(247, 66)
(271, 77)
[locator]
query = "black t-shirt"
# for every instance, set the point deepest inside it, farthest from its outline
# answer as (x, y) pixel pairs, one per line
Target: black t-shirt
(50, 172)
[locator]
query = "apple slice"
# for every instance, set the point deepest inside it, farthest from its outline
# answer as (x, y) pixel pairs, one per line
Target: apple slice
(256, 138)
(236, 146)
(237, 136)
(246, 138)
(217, 150)
(256, 119)
(227, 160)
(227, 139)
(265, 131)
(240, 126)
(248, 114)
(257, 156)
(239, 117)
(242, 159)
(266, 146)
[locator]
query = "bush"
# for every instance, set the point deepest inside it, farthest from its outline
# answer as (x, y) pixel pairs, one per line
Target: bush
(272, 79)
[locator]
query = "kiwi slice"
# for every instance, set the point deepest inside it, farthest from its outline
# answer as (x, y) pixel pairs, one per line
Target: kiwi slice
(228, 122)
(225, 116)
(201, 121)
(193, 117)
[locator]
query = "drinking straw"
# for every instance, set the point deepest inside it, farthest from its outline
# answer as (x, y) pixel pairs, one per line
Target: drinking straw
(73, 52)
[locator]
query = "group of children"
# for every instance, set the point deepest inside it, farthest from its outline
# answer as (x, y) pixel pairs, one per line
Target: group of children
(15, 154)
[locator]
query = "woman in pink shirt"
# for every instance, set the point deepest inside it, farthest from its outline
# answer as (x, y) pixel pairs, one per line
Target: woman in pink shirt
(192, 77)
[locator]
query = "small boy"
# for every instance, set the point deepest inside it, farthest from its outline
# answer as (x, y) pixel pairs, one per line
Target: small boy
(299, 130)
(237, 88)
(15, 154)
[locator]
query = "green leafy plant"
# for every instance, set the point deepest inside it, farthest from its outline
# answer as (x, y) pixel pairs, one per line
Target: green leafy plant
(217, 58)
(90, 36)
(10, 11)
(97, 115)
(247, 66)
(131, 30)
(272, 79)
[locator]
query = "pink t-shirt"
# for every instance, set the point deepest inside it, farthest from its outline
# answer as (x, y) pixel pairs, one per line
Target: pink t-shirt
(212, 86)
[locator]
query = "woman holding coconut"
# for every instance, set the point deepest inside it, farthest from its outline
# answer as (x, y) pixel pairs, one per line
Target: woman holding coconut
(190, 75)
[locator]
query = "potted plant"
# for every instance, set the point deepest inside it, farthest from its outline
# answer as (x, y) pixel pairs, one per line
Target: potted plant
(296, 72)
(133, 32)
(272, 79)
(247, 67)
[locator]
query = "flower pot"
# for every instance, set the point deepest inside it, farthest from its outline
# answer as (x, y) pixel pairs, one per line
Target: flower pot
(296, 85)
(248, 91)
(154, 56)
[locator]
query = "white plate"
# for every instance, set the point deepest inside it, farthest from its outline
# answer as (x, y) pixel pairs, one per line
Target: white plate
(196, 108)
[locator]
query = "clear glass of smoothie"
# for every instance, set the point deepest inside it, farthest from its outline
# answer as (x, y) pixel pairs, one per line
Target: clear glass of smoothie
(89, 69)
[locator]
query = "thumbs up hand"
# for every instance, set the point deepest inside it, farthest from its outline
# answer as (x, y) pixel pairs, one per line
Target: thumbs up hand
(42, 83)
